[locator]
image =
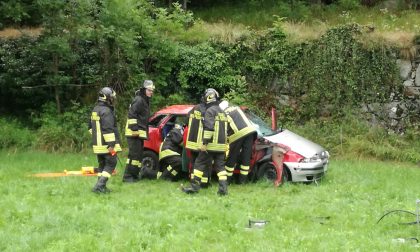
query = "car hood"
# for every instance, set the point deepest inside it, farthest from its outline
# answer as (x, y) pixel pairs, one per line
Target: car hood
(298, 144)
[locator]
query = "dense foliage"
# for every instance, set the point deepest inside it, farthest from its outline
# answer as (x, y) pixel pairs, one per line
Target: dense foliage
(50, 81)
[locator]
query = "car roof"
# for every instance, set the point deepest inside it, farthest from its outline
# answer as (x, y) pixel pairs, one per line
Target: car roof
(176, 109)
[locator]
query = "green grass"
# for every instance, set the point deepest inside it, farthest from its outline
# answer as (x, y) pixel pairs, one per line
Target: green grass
(61, 214)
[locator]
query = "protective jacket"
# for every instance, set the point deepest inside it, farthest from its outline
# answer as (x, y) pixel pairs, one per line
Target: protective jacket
(138, 116)
(239, 125)
(103, 126)
(215, 128)
(195, 127)
(172, 145)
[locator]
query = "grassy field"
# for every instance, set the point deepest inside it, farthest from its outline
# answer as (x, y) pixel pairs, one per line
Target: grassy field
(61, 214)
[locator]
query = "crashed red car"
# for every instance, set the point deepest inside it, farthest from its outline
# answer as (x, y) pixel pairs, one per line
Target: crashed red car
(278, 155)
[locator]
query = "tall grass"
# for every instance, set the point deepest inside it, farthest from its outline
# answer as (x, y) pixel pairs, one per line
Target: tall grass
(14, 134)
(352, 137)
(60, 214)
(306, 22)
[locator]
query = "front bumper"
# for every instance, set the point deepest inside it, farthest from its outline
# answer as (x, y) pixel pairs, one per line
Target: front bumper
(307, 172)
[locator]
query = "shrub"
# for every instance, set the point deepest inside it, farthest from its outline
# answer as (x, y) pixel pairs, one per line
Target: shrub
(14, 134)
(204, 66)
(63, 132)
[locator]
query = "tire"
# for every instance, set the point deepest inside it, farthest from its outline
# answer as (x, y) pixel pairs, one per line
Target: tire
(150, 160)
(267, 172)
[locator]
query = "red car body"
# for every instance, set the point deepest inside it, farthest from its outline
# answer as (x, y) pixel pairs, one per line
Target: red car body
(275, 156)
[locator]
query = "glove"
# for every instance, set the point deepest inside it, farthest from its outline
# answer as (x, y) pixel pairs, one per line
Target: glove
(112, 151)
(203, 147)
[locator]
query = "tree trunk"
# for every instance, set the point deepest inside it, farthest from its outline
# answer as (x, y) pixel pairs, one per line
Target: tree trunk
(56, 88)
(57, 99)
(184, 5)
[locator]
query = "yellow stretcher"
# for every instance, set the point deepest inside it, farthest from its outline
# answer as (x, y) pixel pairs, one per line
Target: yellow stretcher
(84, 171)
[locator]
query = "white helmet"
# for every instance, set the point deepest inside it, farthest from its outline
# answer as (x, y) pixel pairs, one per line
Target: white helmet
(148, 84)
(224, 104)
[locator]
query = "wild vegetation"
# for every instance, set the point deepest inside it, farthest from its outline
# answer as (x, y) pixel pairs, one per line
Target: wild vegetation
(330, 57)
(50, 76)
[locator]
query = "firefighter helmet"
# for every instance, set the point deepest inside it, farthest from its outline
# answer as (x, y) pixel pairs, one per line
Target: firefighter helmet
(211, 95)
(148, 84)
(107, 94)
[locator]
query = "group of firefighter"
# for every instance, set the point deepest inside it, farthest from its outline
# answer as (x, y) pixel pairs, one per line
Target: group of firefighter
(213, 128)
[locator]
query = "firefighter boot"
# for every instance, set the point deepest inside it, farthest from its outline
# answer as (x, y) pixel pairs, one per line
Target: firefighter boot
(223, 185)
(107, 190)
(243, 179)
(229, 180)
(131, 174)
(205, 182)
(100, 186)
(195, 187)
(148, 173)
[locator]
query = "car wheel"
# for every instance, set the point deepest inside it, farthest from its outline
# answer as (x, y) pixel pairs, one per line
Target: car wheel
(150, 160)
(268, 172)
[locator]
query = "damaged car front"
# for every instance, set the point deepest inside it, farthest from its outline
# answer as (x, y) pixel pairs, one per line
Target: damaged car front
(303, 160)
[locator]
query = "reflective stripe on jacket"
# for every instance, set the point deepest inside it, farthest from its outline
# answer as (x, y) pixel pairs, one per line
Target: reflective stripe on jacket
(103, 125)
(239, 125)
(138, 116)
(215, 129)
(195, 127)
(172, 145)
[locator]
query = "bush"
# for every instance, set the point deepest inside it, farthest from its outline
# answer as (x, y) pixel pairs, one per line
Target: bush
(349, 4)
(204, 66)
(14, 134)
(63, 132)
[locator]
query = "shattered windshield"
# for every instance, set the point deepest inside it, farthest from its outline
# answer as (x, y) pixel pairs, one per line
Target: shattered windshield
(262, 128)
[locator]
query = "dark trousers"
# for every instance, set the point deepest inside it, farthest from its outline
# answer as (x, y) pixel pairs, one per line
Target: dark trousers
(107, 163)
(206, 176)
(171, 168)
(135, 155)
(240, 150)
(194, 155)
(205, 162)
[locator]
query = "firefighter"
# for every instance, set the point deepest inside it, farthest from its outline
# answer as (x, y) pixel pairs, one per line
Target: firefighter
(195, 135)
(105, 137)
(137, 130)
(170, 157)
(213, 146)
(241, 136)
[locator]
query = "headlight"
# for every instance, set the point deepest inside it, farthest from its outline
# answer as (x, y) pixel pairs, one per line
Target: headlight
(313, 159)
(316, 158)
